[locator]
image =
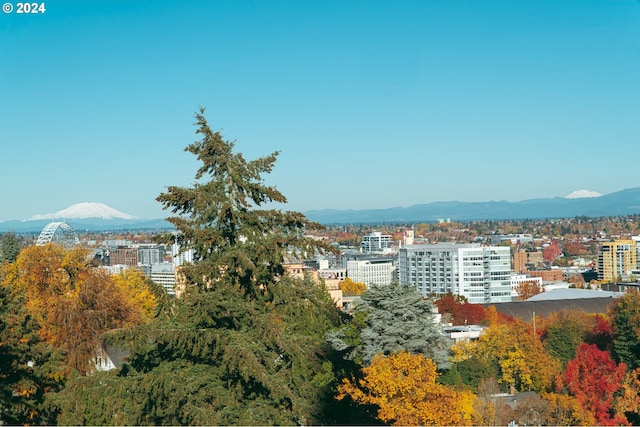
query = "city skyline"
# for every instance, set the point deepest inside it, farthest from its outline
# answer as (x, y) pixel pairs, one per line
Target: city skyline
(371, 104)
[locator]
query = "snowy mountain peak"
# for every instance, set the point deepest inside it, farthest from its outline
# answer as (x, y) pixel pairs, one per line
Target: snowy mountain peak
(85, 210)
(582, 194)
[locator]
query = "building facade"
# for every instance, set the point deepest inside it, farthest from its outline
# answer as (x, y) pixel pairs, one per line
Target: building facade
(482, 274)
(524, 260)
(123, 255)
(375, 242)
(616, 259)
(151, 254)
(371, 272)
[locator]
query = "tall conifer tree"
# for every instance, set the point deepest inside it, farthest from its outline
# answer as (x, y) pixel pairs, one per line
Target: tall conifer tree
(245, 343)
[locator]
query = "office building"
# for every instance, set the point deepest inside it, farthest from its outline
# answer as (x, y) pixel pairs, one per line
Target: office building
(482, 274)
(371, 272)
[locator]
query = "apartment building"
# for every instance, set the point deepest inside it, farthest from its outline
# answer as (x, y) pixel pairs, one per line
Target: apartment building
(375, 242)
(524, 260)
(616, 259)
(482, 274)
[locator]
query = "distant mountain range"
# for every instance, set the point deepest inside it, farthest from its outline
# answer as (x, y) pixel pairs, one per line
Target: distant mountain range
(86, 216)
(99, 217)
(625, 202)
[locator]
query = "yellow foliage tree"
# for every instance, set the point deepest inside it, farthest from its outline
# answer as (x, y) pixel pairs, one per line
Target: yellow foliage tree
(522, 360)
(628, 403)
(133, 283)
(75, 303)
(566, 410)
(404, 386)
(351, 288)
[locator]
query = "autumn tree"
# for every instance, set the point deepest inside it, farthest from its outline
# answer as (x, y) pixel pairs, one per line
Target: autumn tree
(459, 310)
(74, 303)
(601, 334)
(490, 408)
(394, 318)
(566, 410)
(521, 359)
(552, 251)
(245, 344)
(404, 387)
(628, 400)
(565, 331)
(593, 378)
(351, 288)
(528, 289)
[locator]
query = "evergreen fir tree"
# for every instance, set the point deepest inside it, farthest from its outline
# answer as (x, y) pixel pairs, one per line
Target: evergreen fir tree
(391, 319)
(234, 239)
(245, 344)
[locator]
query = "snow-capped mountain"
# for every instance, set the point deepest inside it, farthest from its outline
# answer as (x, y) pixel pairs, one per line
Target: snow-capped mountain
(582, 194)
(83, 211)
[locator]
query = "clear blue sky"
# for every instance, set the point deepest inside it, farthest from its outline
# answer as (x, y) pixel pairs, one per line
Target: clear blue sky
(372, 103)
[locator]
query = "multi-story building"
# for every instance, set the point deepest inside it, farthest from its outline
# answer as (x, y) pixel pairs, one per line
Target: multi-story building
(616, 259)
(371, 271)
(165, 275)
(151, 254)
(180, 256)
(524, 260)
(124, 255)
(482, 274)
(375, 242)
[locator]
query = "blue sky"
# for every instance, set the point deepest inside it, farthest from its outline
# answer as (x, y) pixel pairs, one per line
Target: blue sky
(372, 103)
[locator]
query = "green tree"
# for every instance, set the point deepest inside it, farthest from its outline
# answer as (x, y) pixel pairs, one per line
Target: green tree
(625, 318)
(29, 368)
(234, 239)
(565, 332)
(245, 343)
(392, 318)
(10, 247)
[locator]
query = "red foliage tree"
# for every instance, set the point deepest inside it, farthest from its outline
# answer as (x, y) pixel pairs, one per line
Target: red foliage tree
(601, 334)
(461, 311)
(593, 378)
(552, 251)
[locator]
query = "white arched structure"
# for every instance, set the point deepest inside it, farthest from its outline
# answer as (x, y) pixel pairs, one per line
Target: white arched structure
(58, 232)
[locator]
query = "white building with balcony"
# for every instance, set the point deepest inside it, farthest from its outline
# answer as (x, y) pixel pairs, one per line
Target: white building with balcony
(482, 274)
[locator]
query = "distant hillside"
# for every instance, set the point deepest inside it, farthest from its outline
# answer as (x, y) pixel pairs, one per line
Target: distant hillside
(625, 202)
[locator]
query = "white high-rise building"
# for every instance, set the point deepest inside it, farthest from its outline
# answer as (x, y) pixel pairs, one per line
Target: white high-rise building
(371, 271)
(375, 242)
(482, 274)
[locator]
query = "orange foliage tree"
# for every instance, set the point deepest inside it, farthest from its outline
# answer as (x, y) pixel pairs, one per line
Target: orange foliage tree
(628, 402)
(528, 289)
(404, 387)
(75, 303)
